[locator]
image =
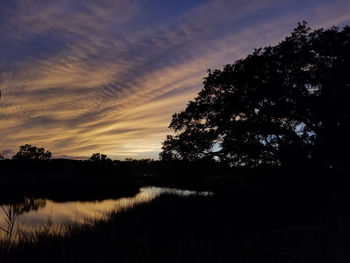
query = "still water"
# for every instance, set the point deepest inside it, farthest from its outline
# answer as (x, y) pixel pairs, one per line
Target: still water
(36, 214)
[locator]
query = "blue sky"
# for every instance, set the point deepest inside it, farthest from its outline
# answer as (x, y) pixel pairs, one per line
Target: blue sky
(79, 77)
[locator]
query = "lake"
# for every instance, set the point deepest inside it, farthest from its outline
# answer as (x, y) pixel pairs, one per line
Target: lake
(36, 214)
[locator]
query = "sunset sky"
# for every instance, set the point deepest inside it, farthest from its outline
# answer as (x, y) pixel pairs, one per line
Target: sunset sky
(79, 77)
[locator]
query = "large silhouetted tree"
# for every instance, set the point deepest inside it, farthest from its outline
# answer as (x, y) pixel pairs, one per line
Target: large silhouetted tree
(28, 152)
(281, 104)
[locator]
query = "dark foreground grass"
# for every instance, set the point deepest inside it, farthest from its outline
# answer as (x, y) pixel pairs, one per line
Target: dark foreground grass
(271, 225)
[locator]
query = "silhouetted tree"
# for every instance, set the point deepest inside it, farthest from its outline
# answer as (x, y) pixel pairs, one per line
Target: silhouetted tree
(97, 157)
(28, 152)
(1, 157)
(281, 104)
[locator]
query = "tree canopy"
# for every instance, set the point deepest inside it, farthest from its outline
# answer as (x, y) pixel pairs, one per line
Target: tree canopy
(281, 104)
(98, 157)
(29, 152)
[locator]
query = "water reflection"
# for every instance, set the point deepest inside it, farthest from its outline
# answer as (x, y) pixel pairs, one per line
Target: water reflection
(12, 212)
(33, 214)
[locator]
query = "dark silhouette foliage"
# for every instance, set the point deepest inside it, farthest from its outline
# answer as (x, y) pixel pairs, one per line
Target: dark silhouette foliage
(1, 157)
(28, 152)
(282, 104)
(97, 157)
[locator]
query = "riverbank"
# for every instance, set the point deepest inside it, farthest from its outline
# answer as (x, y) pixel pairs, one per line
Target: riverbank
(274, 226)
(265, 214)
(73, 180)
(63, 180)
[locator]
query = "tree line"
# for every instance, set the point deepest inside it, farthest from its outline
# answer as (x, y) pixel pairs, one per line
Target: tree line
(29, 152)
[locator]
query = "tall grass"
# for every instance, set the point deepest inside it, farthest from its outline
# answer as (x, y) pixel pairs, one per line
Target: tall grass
(233, 227)
(256, 219)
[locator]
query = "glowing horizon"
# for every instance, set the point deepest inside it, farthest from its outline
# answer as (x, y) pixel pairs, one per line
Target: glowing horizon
(79, 77)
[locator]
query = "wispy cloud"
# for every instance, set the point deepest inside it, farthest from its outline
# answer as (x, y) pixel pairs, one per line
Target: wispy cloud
(105, 76)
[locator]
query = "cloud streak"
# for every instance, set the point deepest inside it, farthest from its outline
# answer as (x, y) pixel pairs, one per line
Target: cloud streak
(79, 77)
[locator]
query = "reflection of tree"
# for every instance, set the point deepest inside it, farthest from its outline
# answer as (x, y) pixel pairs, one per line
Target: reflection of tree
(13, 211)
(28, 204)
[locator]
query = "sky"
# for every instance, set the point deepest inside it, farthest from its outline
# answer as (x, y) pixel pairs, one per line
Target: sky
(80, 77)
